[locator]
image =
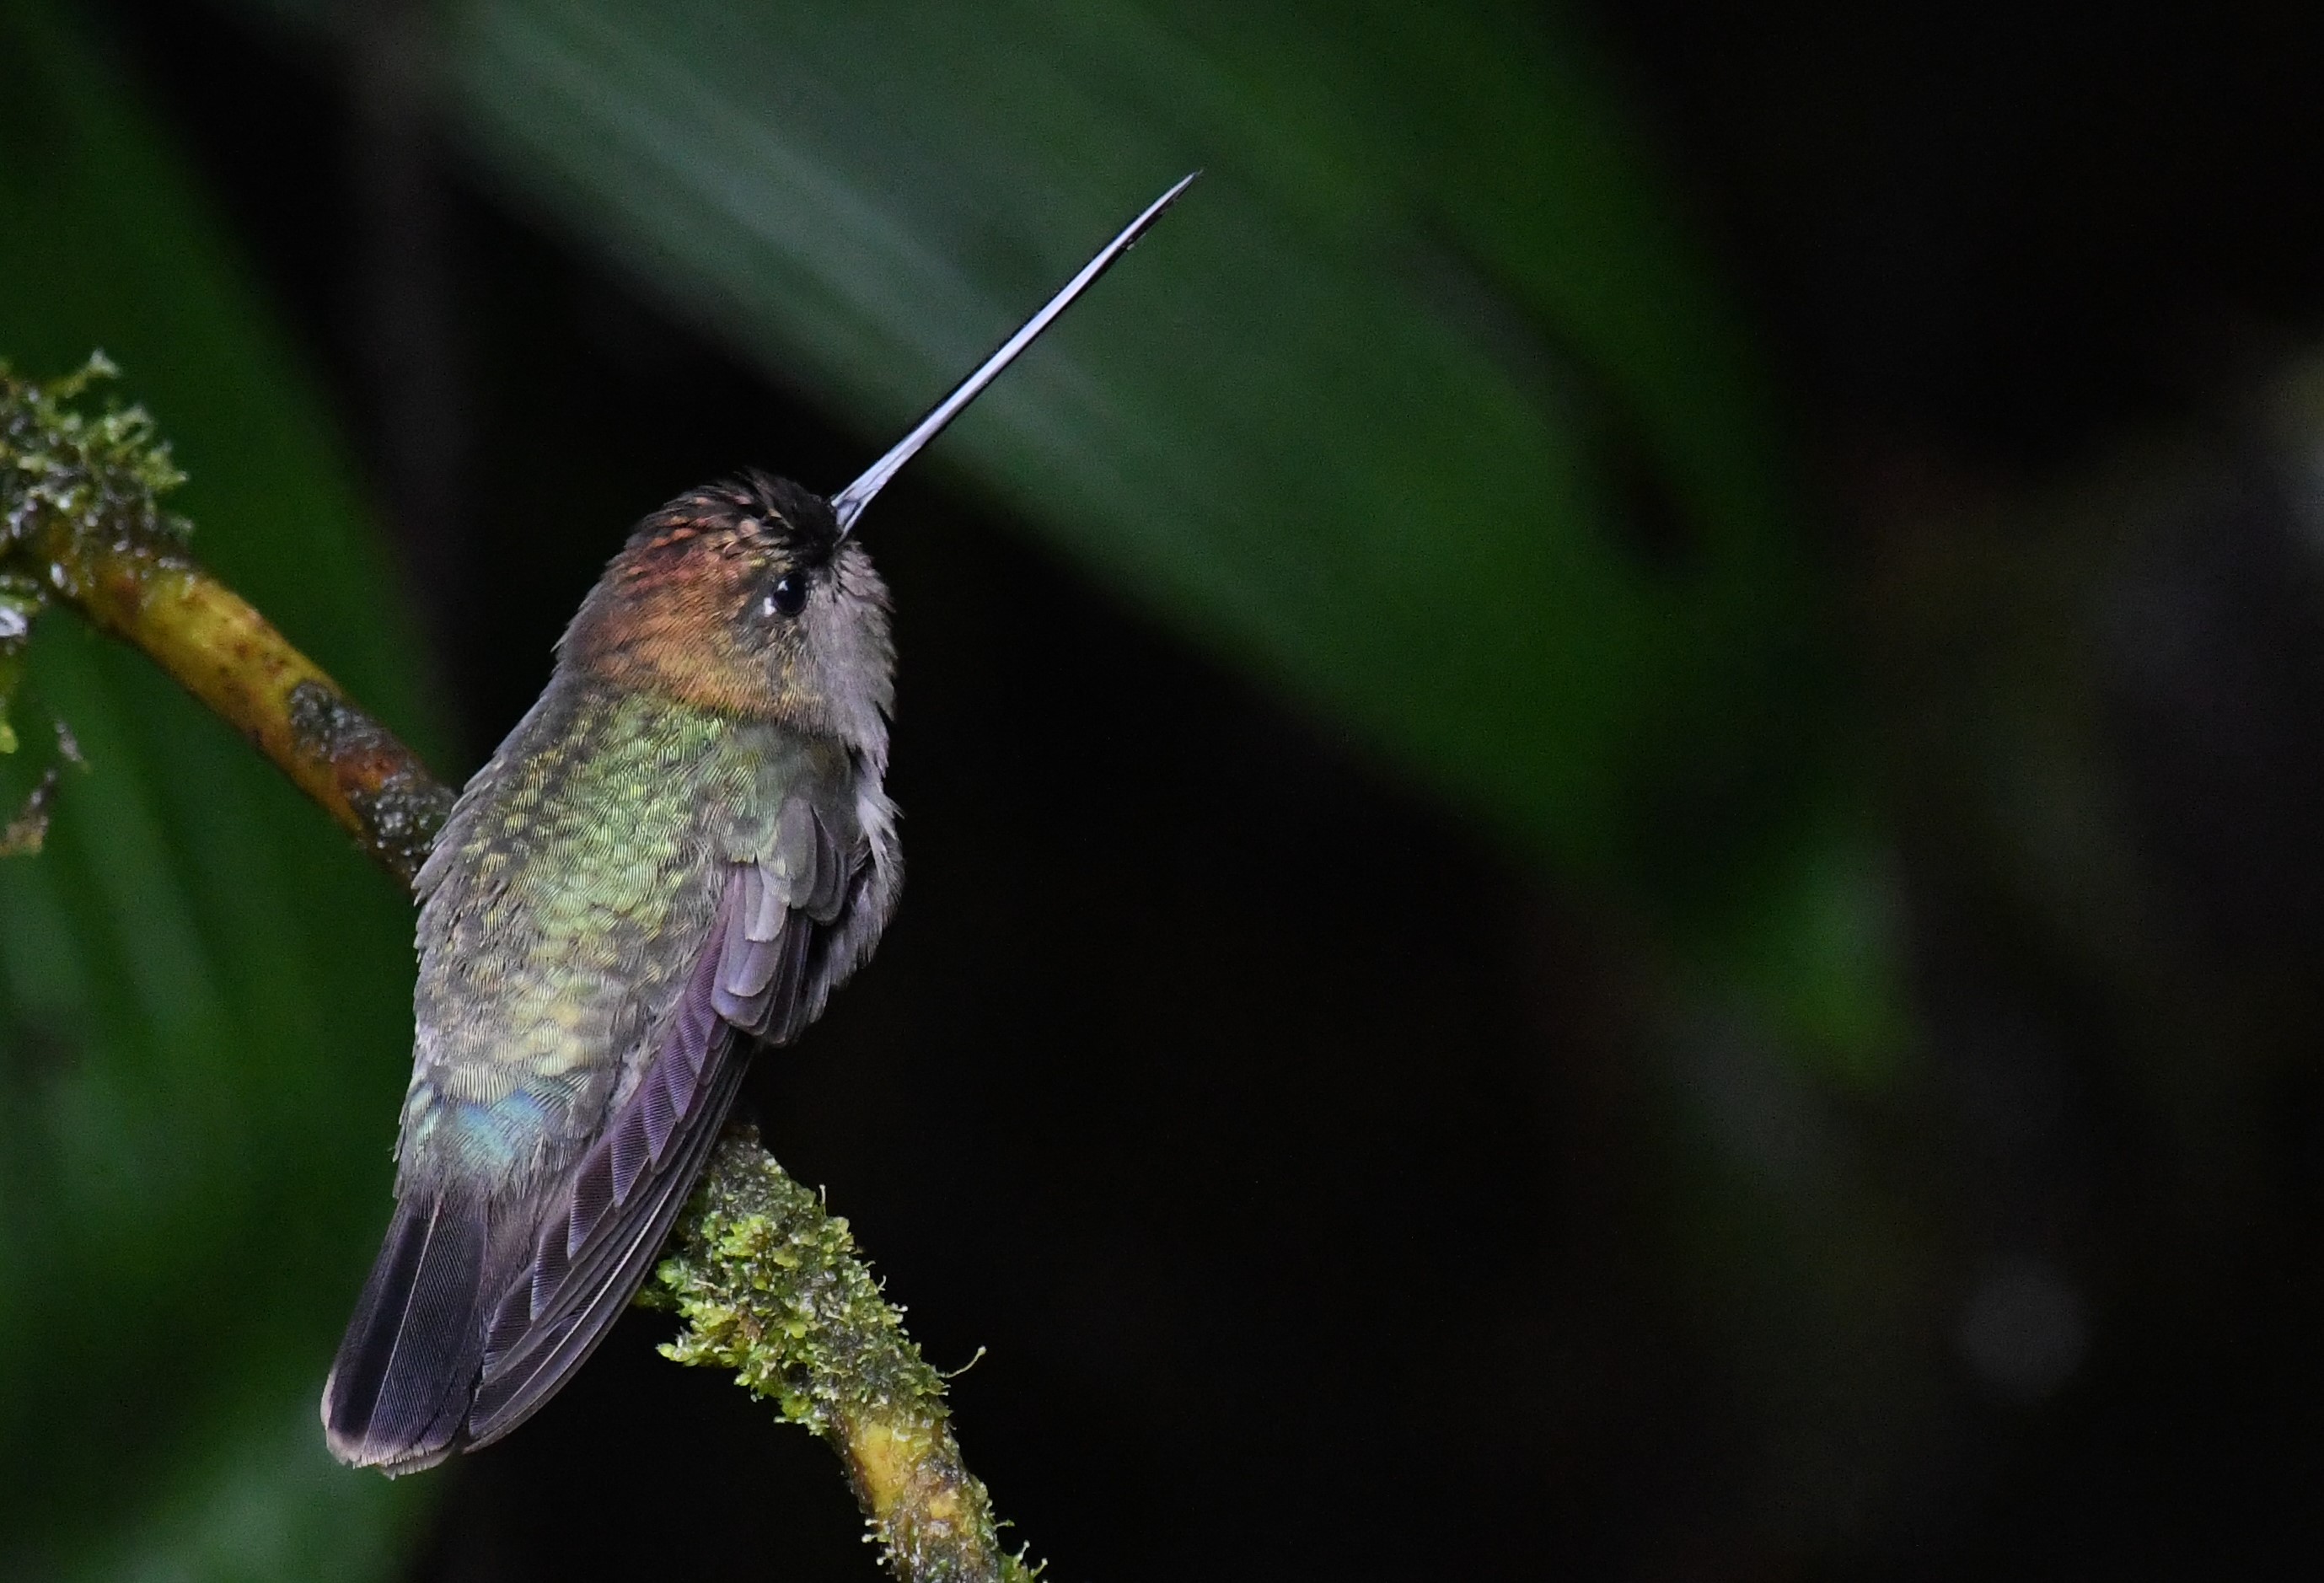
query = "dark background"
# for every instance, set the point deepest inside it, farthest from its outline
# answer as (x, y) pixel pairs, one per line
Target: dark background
(1336, 1193)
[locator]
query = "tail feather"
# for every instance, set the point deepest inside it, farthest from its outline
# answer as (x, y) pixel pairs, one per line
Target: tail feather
(400, 1388)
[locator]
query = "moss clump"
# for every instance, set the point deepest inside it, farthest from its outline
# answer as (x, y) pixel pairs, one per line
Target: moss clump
(21, 599)
(89, 472)
(769, 1287)
(102, 472)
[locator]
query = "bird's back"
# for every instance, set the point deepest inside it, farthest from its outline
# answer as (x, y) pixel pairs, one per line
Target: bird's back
(565, 911)
(564, 903)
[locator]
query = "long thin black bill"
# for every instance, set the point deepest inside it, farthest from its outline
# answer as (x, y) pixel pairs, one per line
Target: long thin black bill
(848, 503)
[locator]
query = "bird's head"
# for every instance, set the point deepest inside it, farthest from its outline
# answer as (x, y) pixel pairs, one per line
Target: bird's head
(744, 598)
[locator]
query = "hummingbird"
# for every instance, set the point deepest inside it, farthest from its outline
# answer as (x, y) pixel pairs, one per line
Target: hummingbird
(676, 855)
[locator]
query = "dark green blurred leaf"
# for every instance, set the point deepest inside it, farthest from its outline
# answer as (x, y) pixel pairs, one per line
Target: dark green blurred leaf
(1361, 412)
(204, 1012)
(1421, 405)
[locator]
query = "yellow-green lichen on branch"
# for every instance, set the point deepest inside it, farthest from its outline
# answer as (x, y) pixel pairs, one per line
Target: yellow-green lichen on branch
(59, 464)
(769, 1287)
(81, 522)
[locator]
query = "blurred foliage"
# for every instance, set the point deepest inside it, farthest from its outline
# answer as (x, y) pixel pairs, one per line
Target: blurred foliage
(204, 1020)
(1422, 406)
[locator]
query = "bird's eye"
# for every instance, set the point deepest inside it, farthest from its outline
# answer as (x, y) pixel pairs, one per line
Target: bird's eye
(788, 597)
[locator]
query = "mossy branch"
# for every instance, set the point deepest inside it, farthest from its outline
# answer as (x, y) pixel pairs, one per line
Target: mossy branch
(81, 523)
(767, 1283)
(769, 1286)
